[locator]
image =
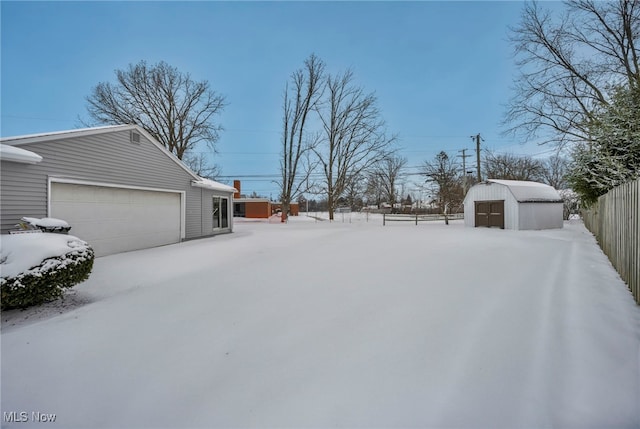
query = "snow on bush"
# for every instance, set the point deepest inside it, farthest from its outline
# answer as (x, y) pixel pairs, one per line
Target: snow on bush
(36, 268)
(46, 224)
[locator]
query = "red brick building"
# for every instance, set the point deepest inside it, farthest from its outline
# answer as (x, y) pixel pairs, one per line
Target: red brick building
(257, 208)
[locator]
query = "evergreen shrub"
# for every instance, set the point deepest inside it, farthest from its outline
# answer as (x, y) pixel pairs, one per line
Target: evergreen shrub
(47, 281)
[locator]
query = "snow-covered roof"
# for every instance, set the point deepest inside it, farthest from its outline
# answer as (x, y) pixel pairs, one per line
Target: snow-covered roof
(213, 185)
(525, 191)
(251, 200)
(15, 154)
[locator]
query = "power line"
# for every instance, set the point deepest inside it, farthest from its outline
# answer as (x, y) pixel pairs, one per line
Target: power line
(38, 119)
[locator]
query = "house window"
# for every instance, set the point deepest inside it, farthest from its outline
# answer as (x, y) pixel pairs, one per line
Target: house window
(220, 212)
(239, 210)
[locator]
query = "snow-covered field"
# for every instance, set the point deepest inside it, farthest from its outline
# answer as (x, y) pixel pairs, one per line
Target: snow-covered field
(343, 324)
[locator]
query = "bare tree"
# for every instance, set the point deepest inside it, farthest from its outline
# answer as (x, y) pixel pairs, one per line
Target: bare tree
(373, 191)
(353, 193)
(512, 167)
(554, 171)
(176, 110)
(353, 138)
(568, 65)
(199, 164)
(388, 171)
(443, 174)
(299, 101)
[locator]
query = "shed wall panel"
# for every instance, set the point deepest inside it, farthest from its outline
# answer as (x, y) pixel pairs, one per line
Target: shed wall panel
(540, 215)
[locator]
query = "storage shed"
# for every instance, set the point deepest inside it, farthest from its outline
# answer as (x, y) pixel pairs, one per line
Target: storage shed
(116, 186)
(513, 204)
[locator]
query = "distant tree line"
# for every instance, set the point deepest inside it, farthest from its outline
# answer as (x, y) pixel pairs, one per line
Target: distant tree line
(441, 181)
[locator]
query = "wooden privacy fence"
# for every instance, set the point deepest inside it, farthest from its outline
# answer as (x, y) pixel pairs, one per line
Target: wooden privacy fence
(615, 222)
(417, 218)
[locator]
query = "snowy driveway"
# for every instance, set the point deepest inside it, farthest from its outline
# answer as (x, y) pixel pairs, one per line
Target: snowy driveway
(337, 325)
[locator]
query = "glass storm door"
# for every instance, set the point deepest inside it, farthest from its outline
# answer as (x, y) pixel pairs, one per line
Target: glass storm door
(224, 212)
(220, 212)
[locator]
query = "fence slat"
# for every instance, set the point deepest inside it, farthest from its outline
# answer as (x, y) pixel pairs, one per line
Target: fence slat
(614, 220)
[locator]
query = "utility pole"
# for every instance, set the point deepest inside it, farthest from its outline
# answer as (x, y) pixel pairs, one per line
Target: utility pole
(477, 138)
(464, 169)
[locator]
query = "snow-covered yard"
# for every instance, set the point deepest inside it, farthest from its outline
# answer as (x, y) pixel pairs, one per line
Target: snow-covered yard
(343, 324)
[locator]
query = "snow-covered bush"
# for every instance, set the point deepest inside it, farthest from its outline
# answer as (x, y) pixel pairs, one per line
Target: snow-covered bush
(571, 203)
(47, 224)
(37, 267)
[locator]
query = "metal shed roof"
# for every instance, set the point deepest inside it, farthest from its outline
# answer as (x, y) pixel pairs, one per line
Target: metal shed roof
(525, 191)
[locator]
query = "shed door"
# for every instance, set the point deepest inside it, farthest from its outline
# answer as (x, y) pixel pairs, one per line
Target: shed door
(114, 220)
(490, 213)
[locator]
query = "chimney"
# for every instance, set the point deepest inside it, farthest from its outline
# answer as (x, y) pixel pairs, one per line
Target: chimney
(236, 184)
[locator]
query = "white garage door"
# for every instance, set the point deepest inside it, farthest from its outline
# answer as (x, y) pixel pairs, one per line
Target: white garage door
(114, 220)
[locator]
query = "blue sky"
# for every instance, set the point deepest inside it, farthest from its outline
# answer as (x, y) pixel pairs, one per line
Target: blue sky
(442, 71)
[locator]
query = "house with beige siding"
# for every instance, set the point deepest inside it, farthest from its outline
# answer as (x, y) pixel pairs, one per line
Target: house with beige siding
(117, 187)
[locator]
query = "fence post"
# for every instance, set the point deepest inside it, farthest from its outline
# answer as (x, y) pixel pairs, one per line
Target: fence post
(416, 217)
(384, 218)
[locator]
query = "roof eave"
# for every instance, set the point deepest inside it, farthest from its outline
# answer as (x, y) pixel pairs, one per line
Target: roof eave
(218, 187)
(18, 155)
(56, 135)
(19, 160)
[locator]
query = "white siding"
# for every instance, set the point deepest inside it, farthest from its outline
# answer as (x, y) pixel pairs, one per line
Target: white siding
(540, 216)
(492, 192)
(23, 192)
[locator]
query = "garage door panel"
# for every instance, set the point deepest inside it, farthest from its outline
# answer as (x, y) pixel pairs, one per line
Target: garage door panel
(111, 245)
(112, 196)
(115, 220)
(62, 194)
